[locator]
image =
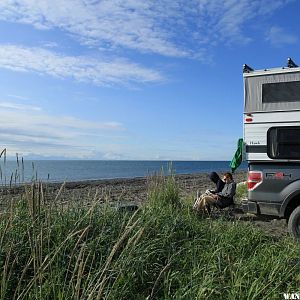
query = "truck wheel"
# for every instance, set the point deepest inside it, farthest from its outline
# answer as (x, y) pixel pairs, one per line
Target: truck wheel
(294, 223)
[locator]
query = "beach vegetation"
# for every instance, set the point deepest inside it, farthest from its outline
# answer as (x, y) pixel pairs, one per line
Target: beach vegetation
(241, 192)
(163, 250)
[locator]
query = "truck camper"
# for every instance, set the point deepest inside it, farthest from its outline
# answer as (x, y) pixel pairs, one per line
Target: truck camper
(271, 123)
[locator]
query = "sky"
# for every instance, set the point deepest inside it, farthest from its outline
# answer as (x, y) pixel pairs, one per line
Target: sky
(134, 80)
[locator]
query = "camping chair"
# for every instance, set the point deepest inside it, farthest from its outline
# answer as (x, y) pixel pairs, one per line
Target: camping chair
(227, 210)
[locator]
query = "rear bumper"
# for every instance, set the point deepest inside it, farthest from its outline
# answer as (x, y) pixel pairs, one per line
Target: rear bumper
(249, 207)
(263, 208)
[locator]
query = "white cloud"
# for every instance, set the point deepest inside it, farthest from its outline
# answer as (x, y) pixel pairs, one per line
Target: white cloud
(38, 133)
(85, 69)
(172, 28)
(17, 106)
(49, 45)
(277, 36)
(17, 97)
(227, 20)
(131, 24)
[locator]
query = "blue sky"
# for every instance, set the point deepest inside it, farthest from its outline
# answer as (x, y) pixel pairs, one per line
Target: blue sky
(113, 79)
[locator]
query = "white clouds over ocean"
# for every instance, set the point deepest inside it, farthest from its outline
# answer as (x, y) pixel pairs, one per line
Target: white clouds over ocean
(85, 69)
(171, 28)
(28, 130)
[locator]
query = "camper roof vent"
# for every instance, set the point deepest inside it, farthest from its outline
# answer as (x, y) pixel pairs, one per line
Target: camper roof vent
(291, 64)
(247, 69)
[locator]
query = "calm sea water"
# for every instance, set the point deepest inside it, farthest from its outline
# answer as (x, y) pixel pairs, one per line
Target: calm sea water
(71, 170)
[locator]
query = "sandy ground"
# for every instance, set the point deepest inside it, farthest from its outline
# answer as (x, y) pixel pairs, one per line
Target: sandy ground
(135, 190)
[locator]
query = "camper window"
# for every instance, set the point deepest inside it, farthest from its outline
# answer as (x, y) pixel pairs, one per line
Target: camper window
(281, 92)
(284, 142)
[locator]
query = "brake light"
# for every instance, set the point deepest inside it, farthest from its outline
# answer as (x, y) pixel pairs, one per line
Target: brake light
(254, 179)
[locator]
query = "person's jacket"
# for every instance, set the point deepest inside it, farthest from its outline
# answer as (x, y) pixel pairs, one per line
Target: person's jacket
(228, 190)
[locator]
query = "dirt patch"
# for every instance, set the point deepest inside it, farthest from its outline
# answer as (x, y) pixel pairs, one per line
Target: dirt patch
(272, 226)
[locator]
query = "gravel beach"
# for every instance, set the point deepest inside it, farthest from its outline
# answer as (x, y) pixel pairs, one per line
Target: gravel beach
(120, 189)
(135, 189)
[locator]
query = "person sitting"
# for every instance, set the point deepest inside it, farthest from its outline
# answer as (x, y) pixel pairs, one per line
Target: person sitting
(219, 184)
(220, 199)
(215, 178)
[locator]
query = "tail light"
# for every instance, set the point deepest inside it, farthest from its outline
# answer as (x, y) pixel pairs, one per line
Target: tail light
(254, 179)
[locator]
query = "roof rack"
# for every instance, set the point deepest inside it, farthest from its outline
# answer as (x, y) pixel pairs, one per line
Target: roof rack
(290, 65)
(247, 69)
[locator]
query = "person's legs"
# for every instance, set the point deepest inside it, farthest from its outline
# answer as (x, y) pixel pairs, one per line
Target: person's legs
(199, 203)
(208, 201)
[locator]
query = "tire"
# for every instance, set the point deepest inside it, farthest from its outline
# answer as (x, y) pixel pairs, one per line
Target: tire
(294, 223)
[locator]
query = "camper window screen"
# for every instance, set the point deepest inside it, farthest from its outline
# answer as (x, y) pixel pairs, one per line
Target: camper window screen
(284, 142)
(281, 92)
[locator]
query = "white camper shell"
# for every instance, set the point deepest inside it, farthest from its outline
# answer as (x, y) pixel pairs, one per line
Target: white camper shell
(272, 140)
(272, 114)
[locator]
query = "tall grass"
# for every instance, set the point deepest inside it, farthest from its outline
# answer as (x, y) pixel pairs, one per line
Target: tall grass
(13, 178)
(161, 251)
(241, 192)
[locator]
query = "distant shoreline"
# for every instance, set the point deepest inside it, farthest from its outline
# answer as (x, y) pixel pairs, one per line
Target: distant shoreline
(82, 171)
(202, 176)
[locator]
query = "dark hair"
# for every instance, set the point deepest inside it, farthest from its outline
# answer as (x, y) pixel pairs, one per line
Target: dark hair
(228, 175)
(214, 177)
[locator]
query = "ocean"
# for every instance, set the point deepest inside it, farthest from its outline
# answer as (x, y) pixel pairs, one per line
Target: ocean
(80, 170)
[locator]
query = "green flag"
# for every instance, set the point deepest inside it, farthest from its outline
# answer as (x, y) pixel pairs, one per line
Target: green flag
(237, 158)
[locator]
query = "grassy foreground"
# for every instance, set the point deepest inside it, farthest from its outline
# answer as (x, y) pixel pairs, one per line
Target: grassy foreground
(161, 251)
